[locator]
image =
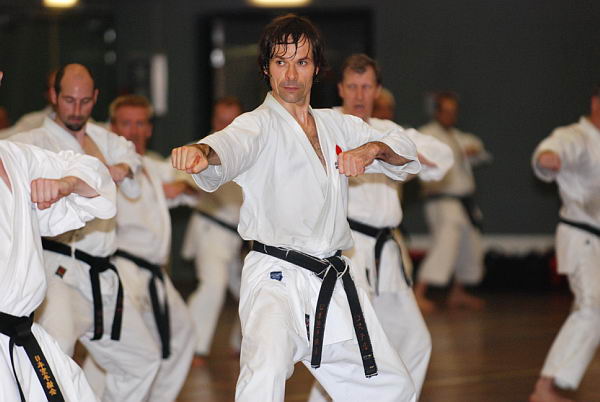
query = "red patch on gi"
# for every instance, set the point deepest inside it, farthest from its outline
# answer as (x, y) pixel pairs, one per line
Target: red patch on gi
(61, 271)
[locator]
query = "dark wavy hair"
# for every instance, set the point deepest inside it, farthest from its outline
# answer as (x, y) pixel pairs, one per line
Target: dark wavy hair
(290, 30)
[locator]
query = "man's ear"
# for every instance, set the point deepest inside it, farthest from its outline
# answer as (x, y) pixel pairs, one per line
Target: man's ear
(53, 96)
(96, 95)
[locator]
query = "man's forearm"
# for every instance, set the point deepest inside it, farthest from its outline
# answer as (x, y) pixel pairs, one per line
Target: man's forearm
(80, 187)
(384, 153)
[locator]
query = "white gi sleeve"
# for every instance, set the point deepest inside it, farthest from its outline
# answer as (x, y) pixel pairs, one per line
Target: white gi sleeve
(470, 141)
(120, 150)
(167, 174)
(238, 147)
(434, 150)
(73, 211)
(358, 133)
(566, 144)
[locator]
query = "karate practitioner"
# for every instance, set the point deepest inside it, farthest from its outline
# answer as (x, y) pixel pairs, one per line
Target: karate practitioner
(41, 193)
(452, 216)
(85, 298)
(374, 213)
(144, 246)
(374, 207)
(571, 157)
(34, 119)
(212, 241)
(283, 155)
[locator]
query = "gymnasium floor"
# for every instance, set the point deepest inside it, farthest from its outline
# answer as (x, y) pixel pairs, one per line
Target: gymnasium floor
(489, 356)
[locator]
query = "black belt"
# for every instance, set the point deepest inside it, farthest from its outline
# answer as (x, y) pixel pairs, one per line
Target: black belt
(161, 315)
(468, 204)
(218, 221)
(382, 236)
(581, 225)
(97, 265)
(328, 269)
(18, 329)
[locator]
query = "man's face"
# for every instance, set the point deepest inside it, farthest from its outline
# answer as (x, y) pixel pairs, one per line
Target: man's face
(358, 92)
(291, 72)
(223, 115)
(133, 123)
(447, 113)
(75, 101)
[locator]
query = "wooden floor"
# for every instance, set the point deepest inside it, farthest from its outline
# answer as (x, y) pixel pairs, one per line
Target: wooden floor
(489, 356)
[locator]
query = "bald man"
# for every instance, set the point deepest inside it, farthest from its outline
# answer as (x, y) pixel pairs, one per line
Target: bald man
(85, 299)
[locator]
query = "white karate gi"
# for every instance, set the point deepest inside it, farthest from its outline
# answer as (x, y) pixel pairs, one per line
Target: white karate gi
(22, 279)
(144, 230)
(67, 313)
(27, 122)
(216, 253)
(578, 252)
(292, 201)
(456, 245)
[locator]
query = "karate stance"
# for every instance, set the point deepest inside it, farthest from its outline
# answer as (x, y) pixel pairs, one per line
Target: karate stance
(298, 300)
(85, 298)
(144, 241)
(571, 157)
(41, 193)
(213, 242)
(452, 216)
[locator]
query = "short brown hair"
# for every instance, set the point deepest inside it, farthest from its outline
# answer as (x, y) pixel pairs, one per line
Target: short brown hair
(129, 100)
(290, 29)
(359, 62)
(443, 95)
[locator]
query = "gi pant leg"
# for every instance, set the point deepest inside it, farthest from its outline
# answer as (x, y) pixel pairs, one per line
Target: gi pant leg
(455, 245)
(172, 371)
(216, 250)
(578, 339)
(271, 345)
(70, 378)
(131, 363)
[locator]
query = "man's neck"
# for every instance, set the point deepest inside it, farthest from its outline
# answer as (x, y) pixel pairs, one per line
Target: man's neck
(299, 110)
(79, 134)
(595, 120)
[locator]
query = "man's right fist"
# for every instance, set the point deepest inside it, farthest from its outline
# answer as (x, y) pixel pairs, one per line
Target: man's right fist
(549, 160)
(191, 159)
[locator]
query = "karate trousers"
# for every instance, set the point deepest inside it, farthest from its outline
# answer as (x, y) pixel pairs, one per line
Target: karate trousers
(173, 370)
(71, 381)
(216, 254)
(274, 338)
(394, 304)
(130, 363)
(578, 339)
(455, 249)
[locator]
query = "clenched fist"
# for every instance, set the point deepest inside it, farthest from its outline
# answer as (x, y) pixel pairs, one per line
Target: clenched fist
(191, 159)
(45, 192)
(119, 172)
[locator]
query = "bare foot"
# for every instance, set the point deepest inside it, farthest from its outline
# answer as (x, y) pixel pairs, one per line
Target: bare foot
(545, 391)
(460, 299)
(427, 306)
(199, 361)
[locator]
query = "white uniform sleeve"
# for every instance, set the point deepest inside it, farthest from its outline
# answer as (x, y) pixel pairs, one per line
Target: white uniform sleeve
(470, 141)
(358, 133)
(434, 150)
(121, 150)
(563, 142)
(73, 211)
(238, 147)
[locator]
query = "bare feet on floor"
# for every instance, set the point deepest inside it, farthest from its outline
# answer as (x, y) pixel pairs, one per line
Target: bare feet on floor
(545, 391)
(459, 298)
(199, 361)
